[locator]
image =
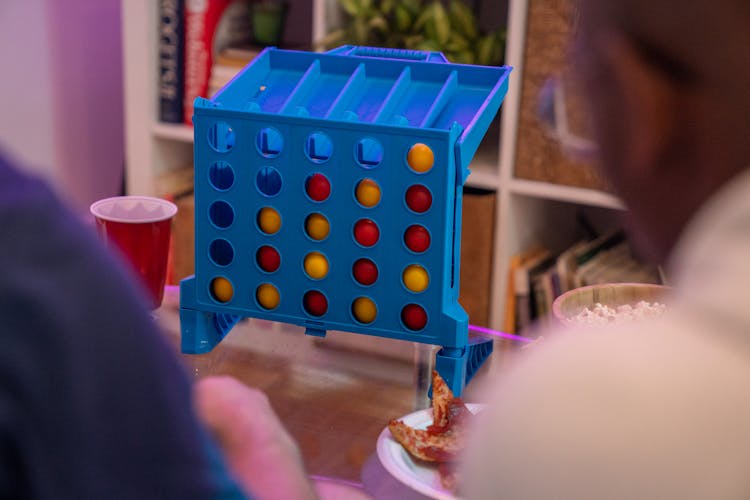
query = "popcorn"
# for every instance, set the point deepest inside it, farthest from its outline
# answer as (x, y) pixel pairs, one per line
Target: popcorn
(605, 315)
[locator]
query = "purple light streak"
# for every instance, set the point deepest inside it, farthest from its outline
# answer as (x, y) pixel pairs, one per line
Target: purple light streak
(496, 333)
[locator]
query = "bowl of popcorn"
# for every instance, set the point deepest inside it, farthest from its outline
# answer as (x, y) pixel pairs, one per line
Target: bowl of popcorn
(604, 304)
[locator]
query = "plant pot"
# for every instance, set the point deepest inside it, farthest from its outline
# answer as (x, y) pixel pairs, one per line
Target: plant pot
(268, 19)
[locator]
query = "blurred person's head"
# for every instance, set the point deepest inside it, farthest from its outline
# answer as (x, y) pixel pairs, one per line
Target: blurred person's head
(668, 83)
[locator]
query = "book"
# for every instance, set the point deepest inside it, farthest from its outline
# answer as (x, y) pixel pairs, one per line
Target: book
(586, 252)
(210, 26)
(515, 262)
(228, 64)
(567, 265)
(171, 53)
(524, 292)
(238, 56)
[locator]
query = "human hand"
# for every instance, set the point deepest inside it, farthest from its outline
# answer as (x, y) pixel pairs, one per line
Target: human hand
(260, 453)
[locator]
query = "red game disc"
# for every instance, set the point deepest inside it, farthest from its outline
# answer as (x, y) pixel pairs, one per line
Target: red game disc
(318, 187)
(315, 303)
(366, 232)
(268, 258)
(417, 239)
(418, 198)
(414, 317)
(365, 272)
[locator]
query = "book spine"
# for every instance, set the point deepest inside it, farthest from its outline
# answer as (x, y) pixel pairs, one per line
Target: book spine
(201, 21)
(171, 60)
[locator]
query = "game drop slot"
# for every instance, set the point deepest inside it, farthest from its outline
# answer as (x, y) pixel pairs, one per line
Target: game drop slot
(446, 94)
(419, 98)
(345, 97)
(274, 80)
(462, 107)
(394, 96)
(300, 92)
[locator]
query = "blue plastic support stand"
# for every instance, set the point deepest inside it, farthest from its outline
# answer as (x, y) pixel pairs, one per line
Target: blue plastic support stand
(328, 194)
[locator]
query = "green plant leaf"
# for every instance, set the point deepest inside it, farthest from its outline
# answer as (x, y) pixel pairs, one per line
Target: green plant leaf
(456, 43)
(413, 6)
(420, 25)
(386, 6)
(463, 20)
(463, 57)
(378, 23)
(485, 49)
(402, 18)
(360, 32)
(428, 46)
(413, 41)
(351, 7)
(442, 24)
(332, 39)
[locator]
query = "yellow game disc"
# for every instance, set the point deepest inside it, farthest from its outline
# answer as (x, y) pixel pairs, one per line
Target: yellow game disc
(269, 220)
(420, 157)
(316, 265)
(268, 296)
(368, 193)
(364, 310)
(317, 226)
(415, 278)
(222, 289)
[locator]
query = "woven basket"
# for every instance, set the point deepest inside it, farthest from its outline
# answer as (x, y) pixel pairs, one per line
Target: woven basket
(550, 27)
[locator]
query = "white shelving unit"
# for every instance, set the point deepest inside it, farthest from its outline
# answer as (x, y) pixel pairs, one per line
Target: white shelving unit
(526, 211)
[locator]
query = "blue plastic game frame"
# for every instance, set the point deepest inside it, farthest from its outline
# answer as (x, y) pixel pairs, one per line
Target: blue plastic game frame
(349, 114)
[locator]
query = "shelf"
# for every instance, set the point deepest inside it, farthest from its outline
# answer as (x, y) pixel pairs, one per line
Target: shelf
(568, 194)
(484, 172)
(174, 131)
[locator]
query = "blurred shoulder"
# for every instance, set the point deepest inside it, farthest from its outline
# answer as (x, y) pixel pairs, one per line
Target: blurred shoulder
(616, 405)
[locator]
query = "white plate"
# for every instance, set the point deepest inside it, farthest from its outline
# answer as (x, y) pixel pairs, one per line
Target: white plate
(419, 476)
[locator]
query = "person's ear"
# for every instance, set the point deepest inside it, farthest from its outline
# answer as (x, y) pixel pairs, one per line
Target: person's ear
(649, 106)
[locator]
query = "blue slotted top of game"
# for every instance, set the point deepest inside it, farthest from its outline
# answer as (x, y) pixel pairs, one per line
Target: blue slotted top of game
(396, 87)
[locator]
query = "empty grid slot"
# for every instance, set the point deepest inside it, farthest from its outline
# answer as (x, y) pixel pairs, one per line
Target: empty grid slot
(221, 175)
(221, 137)
(268, 181)
(221, 214)
(318, 147)
(221, 252)
(270, 142)
(369, 152)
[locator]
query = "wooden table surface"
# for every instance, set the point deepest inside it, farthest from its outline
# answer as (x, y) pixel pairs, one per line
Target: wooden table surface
(335, 395)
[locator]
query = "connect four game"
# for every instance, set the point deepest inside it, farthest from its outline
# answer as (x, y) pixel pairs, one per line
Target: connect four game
(328, 192)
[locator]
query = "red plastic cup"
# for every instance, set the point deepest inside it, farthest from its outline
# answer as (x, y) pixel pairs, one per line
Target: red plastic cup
(139, 228)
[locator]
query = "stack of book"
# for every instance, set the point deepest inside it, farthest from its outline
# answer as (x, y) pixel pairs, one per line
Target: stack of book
(193, 36)
(537, 276)
(228, 64)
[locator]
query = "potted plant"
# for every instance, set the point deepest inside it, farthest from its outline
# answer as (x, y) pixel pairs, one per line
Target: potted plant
(268, 18)
(419, 25)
